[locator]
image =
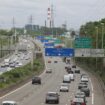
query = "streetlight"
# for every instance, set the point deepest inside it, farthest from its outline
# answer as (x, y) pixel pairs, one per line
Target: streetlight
(96, 37)
(96, 42)
(102, 34)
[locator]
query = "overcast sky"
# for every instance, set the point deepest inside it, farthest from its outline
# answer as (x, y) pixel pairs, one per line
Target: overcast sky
(74, 12)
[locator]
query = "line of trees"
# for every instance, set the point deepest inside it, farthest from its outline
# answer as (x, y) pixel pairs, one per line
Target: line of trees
(94, 30)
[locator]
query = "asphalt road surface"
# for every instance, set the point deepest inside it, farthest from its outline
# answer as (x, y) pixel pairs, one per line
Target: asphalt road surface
(35, 94)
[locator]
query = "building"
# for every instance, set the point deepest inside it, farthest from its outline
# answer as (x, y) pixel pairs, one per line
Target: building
(32, 27)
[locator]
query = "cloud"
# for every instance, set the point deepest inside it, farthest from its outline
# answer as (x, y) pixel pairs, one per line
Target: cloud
(75, 12)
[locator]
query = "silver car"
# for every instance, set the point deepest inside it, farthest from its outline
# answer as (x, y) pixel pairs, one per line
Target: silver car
(64, 87)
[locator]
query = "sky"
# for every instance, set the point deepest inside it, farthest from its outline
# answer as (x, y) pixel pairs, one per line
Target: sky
(72, 12)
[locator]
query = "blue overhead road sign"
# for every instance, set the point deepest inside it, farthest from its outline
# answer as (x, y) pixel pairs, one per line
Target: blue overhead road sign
(49, 44)
(67, 52)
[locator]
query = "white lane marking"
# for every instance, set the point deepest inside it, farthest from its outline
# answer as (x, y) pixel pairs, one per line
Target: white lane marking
(92, 98)
(91, 84)
(19, 88)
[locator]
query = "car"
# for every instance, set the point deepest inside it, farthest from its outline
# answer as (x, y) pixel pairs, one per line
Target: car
(73, 66)
(86, 90)
(64, 87)
(67, 67)
(70, 71)
(83, 75)
(66, 79)
(77, 71)
(2, 65)
(80, 94)
(82, 85)
(36, 80)
(52, 97)
(12, 65)
(9, 103)
(48, 70)
(55, 61)
(72, 76)
(49, 61)
(84, 79)
(78, 101)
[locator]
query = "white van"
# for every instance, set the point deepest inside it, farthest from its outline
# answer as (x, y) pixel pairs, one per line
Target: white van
(66, 79)
(71, 77)
(9, 103)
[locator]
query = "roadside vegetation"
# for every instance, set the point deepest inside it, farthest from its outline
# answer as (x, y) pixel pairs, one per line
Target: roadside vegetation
(18, 75)
(93, 29)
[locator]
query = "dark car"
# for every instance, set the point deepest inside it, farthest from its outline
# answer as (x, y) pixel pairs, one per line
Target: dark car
(73, 66)
(36, 80)
(77, 71)
(86, 91)
(67, 67)
(55, 61)
(70, 72)
(52, 97)
(82, 85)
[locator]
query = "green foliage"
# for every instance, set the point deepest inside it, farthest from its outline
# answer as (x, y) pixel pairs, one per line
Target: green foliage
(19, 74)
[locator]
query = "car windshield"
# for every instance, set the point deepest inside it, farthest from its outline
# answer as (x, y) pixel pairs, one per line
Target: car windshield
(78, 103)
(52, 94)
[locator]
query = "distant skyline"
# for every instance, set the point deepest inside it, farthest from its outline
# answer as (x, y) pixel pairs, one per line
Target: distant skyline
(74, 12)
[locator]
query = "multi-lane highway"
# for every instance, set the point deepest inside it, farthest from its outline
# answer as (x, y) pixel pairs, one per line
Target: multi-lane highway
(35, 94)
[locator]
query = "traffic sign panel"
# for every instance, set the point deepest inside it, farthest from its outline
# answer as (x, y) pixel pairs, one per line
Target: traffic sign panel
(59, 52)
(83, 42)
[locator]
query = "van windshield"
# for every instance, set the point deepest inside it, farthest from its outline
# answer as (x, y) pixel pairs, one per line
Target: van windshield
(8, 104)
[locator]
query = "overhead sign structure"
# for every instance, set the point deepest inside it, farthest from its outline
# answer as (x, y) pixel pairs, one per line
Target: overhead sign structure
(44, 40)
(89, 53)
(83, 42)
(49, 45)
(63, 52)
(82, 52)
(40, 37)
(97, 53)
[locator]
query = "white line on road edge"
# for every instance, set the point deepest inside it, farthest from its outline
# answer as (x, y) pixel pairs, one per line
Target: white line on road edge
(19, 88)
(92, 98)
(91, 84)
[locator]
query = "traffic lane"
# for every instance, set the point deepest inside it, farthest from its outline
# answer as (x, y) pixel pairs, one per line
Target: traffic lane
(23, 93)
(53, 88)
(98, 94)
(50, 86)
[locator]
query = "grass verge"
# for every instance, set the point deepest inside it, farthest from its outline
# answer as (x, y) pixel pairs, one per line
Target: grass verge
(18, 75)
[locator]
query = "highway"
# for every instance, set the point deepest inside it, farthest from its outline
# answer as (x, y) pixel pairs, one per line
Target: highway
(35, 94)
(19, 58)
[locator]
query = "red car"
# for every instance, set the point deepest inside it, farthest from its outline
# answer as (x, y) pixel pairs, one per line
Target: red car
(78, 101)
(49, 61)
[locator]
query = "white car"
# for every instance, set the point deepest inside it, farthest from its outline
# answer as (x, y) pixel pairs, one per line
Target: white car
(64, 87)
(9, 103)
(84, 79)
(48, 70)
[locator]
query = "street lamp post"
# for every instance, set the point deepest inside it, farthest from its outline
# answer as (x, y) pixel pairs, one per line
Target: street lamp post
(102, 34)
(96, 42)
